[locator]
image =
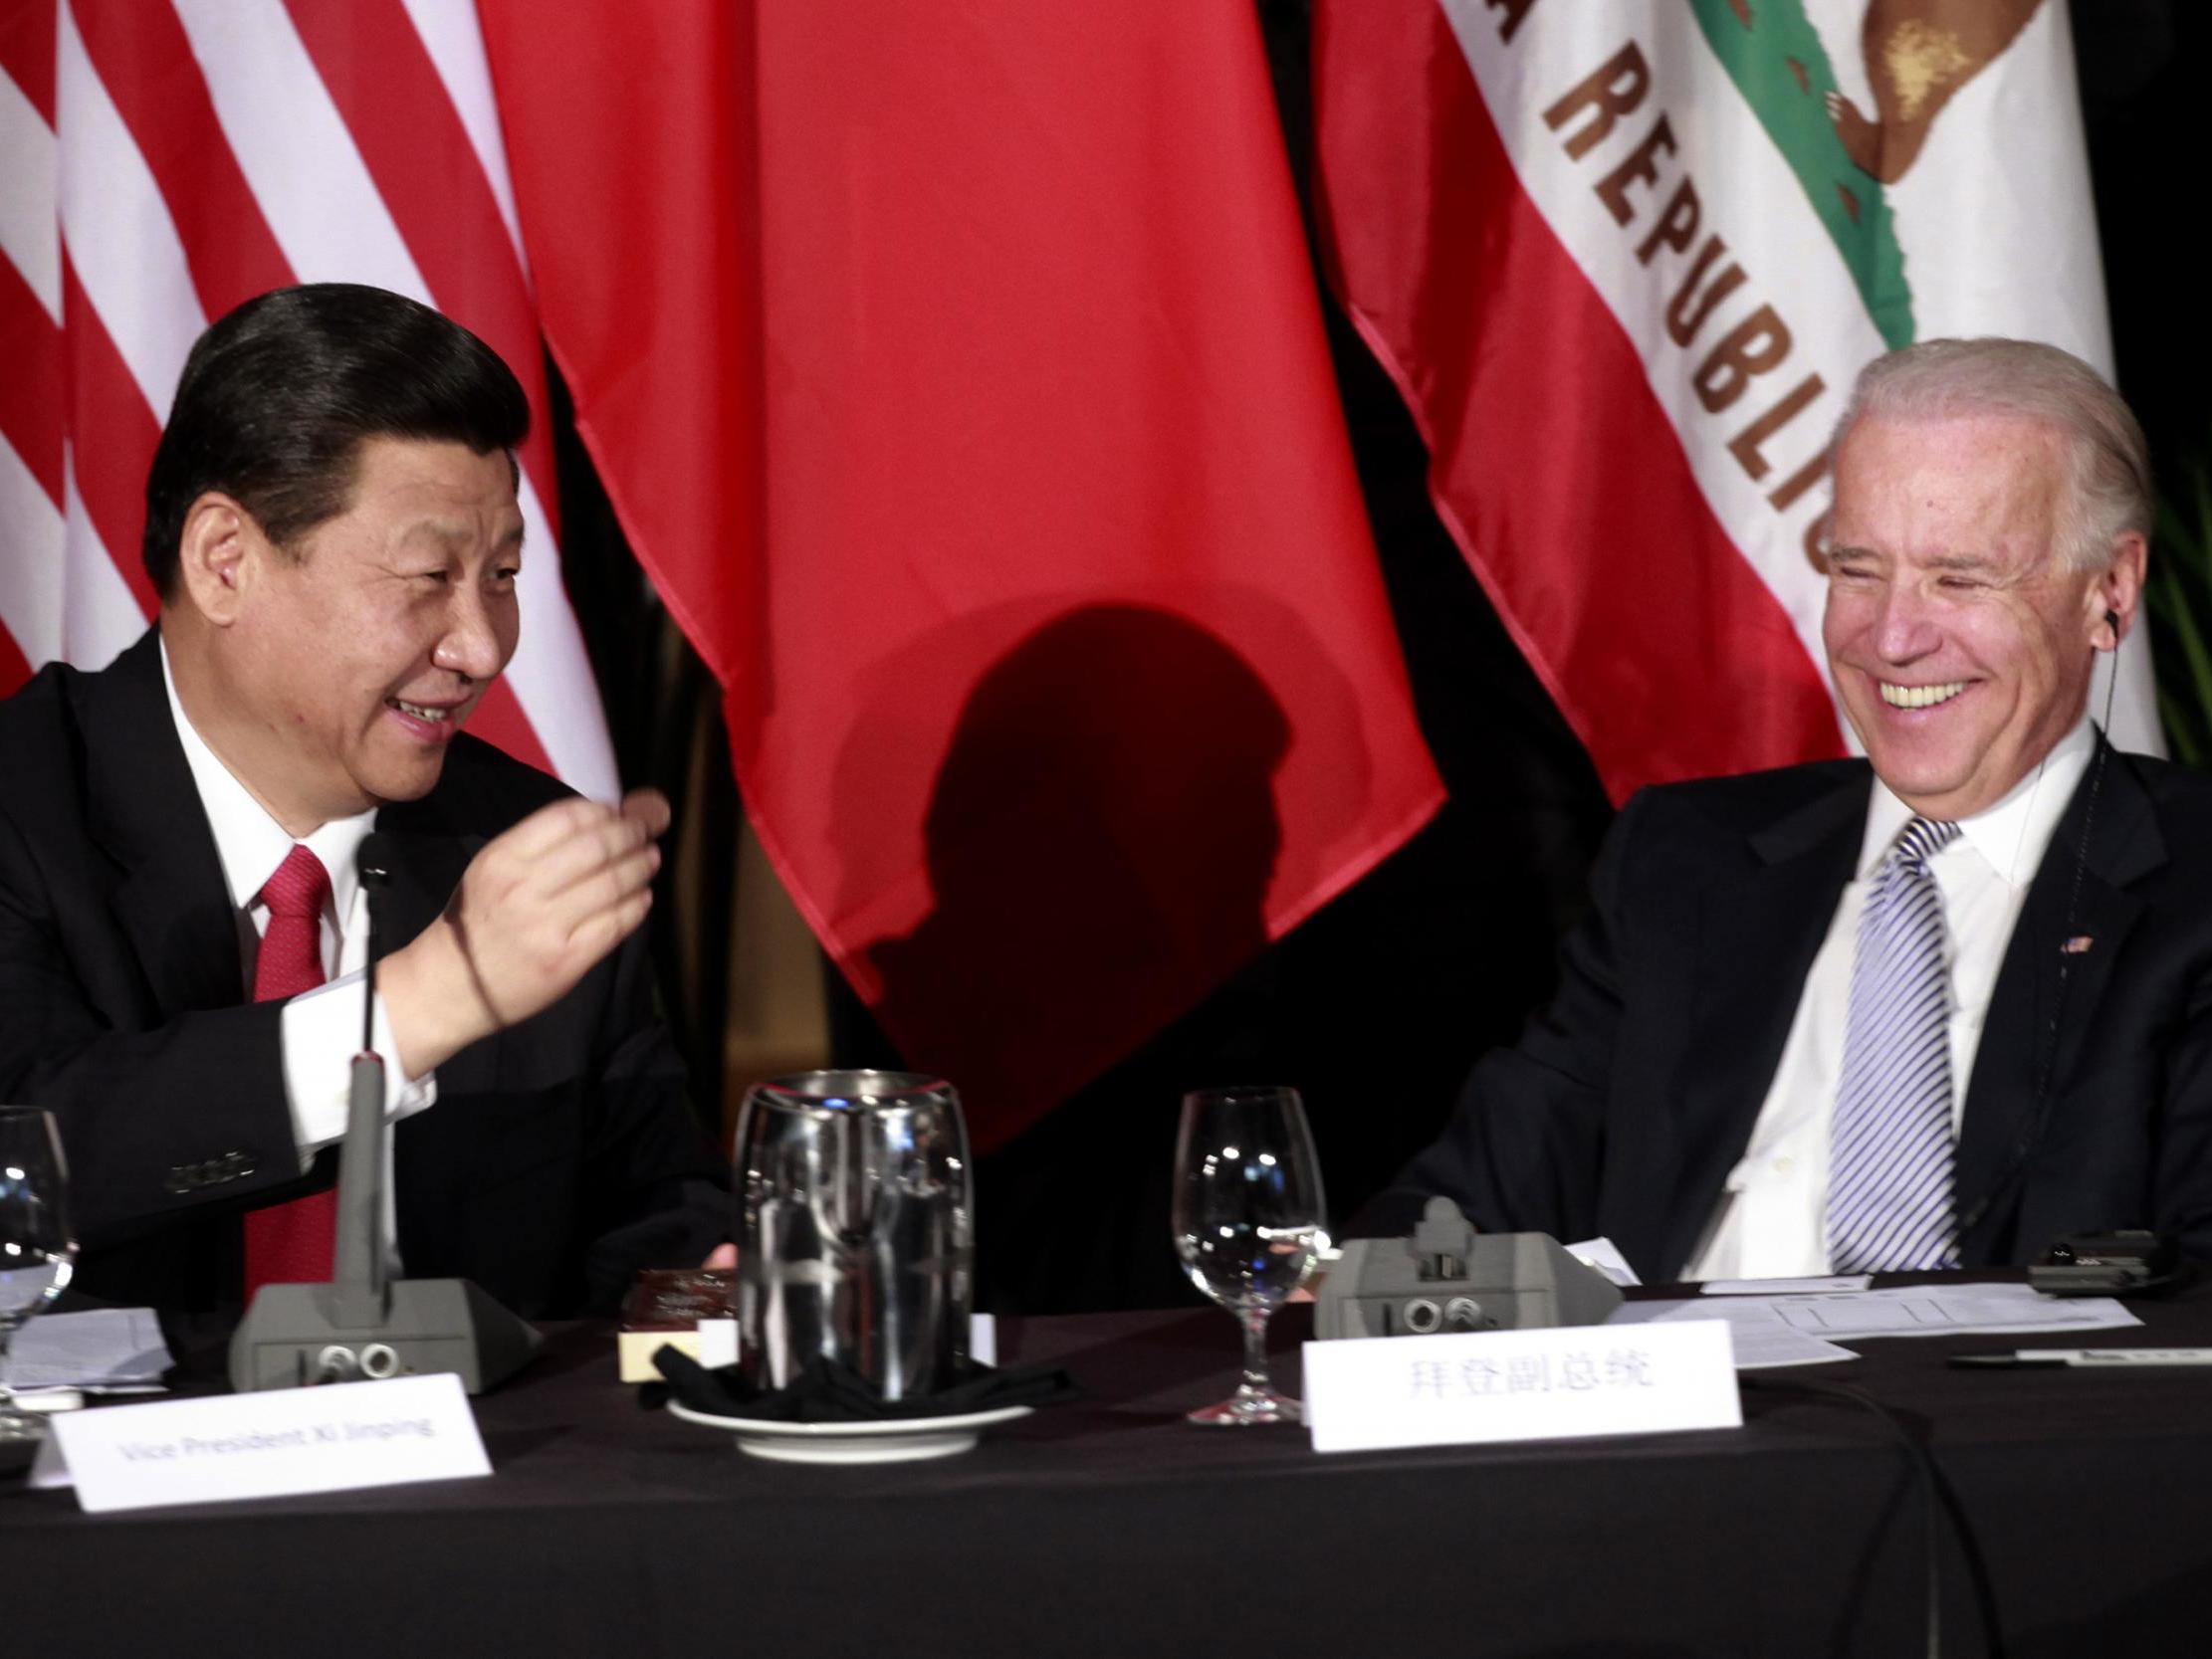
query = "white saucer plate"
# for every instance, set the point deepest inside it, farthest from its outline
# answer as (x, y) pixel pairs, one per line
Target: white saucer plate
(885, 1440)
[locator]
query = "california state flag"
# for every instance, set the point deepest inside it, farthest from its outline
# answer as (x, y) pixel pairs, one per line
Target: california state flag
(1624, 261)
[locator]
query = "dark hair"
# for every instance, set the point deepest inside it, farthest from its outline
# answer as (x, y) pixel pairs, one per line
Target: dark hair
(278, 396)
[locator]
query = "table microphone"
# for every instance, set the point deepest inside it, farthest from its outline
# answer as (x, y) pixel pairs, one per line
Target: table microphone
(1447, 1278)
(365, 1326)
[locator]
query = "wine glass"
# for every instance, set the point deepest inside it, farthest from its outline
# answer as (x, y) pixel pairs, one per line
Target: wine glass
(1248, 1224)
(37, 1249)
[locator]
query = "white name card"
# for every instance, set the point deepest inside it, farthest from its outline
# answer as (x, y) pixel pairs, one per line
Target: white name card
(265, 1445)
(717, 1344)
(1364, 1393)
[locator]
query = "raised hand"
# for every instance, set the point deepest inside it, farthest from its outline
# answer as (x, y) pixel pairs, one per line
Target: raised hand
(535, 911)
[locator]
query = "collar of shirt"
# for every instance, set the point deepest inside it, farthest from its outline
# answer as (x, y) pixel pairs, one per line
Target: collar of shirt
(249, 842)
(2012, 835)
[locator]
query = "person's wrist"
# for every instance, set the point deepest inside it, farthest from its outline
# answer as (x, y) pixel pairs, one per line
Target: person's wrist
(431, 1002)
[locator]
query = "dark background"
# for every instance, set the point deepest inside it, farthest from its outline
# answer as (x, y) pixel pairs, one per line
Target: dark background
(1376, 1005)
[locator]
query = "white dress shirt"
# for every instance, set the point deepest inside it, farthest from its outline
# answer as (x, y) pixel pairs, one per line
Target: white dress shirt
(322, 1028)
(1772, 1220)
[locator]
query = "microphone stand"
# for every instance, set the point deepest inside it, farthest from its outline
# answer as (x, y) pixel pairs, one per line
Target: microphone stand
(365, 1326)
(359, 1294)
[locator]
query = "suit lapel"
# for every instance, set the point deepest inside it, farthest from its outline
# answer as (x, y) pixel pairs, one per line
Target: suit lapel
(144, 812)
(426, 867)
(2046, 996)
(1758, 932)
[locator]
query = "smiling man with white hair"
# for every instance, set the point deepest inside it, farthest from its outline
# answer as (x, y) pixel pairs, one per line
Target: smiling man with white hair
(1992, 513)
(1932, 1008)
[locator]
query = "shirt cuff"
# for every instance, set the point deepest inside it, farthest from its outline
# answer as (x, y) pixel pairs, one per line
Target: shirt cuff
(322, 1032)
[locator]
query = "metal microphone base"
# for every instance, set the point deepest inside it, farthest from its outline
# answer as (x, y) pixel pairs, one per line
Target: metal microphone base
(295, 1335)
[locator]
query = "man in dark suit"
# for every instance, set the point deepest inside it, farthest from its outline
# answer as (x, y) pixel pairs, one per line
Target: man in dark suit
(1936, 1007)
(333, 529)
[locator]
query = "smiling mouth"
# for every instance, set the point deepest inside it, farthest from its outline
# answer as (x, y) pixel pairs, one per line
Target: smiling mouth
(1919, 697)
(436, 716)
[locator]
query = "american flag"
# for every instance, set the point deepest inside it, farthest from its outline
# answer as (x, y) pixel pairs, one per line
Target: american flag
(162, 163)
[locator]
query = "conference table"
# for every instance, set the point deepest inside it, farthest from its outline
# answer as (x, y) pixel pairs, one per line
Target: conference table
(2070, 1519)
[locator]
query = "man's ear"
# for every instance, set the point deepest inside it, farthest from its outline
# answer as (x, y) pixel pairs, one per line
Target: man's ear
(2116, 592)
(218, 555)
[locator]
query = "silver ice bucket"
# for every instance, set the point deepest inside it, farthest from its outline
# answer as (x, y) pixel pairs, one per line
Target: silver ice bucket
(856, 1240)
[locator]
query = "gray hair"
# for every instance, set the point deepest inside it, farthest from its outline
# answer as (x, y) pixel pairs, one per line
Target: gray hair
(2109, 484)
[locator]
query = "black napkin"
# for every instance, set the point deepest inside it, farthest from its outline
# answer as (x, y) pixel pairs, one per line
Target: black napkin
(830, 1391)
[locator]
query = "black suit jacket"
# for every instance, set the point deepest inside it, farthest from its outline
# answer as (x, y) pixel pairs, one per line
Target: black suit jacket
(559, 1156)
(1626, 1104)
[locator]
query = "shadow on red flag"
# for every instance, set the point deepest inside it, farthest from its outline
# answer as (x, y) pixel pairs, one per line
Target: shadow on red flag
(959, 377)
(1105, 815)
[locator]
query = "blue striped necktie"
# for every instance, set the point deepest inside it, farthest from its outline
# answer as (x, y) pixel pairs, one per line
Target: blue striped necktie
(1890, 1204)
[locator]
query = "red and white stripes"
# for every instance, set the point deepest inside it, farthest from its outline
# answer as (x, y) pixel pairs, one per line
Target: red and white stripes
(162, 163)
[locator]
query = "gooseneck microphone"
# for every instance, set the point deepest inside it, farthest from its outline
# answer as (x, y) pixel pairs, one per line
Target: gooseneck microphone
(365, 1326)
(361, 1294)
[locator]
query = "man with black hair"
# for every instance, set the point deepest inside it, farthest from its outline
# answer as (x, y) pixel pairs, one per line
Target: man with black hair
(332, 530)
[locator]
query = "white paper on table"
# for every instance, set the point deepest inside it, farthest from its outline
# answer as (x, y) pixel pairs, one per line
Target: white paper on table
(103, 1348)
(1911, 1311)
(1762, 1339)
(1786, 1286)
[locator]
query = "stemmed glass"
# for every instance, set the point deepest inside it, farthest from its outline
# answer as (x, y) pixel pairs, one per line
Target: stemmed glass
(1248, 1223)
(37, 1249)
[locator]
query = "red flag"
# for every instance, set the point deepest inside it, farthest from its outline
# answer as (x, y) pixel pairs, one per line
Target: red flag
(162, 163)
(957, 374)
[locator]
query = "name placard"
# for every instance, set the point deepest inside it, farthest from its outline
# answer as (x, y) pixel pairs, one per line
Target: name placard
(265, 1445)
(1369, 1393)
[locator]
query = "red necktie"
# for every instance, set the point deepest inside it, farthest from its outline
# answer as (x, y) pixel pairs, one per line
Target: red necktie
(291, 1244)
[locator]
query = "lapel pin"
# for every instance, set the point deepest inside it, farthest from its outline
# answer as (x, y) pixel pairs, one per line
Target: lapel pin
(2077, 945)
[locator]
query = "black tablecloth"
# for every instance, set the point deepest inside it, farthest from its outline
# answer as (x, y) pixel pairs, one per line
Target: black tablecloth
(1110, 1527)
